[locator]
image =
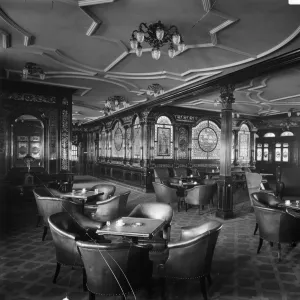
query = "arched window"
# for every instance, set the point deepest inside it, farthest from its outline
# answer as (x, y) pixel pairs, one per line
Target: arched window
(206, 140)
(287, 133)
(136, 138)
(163, 141)
(269, 134)
(244, 143)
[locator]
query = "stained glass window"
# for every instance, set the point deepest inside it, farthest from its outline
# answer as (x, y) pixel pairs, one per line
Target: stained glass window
(182, 143)
(232, 148)
(136, 139)
(244, 143)
(278, 152)
(74, 155)
(269, 134)
(206, 140)
(259, 152)
(163, 141)
(266, 152)
(285, 152)
(118, 141)
(287, 133)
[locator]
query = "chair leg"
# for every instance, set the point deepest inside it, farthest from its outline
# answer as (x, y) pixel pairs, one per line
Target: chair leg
(209, 279)
(44, 233)
(58, 265)
(84, 279)
(186, 207)
(163, 287)
(38, 221)
(256, 228)
(92, 296)
(203, 288)
(279, 252)
(260, 244)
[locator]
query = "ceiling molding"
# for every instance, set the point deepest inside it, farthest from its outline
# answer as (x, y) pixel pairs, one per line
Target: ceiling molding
(96, 21)
(28, 38)
(73, 2)
(93, 2)
(6, 39)
(116, 61)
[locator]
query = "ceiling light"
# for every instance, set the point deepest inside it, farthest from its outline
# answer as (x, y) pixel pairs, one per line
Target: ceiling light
(156, 35)
(32, 69)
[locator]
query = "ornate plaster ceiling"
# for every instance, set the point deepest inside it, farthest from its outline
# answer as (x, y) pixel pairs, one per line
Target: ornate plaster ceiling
(85, 45)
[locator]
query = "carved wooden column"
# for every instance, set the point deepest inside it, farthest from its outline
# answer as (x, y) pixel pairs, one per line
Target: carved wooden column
(144, 137)
(236, 147)
(126, 128)
(175, 137)
(190, 146)
(225, 201)
(151, 142)
(252, 147)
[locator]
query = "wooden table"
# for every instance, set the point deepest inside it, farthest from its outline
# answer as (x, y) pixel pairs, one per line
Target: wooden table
(184, 184)
(148, 228)
(266, 174)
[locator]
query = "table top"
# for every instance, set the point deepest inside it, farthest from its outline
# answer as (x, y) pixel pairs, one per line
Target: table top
(80, 195)
(133, 227)
(184, 184)
(266, 174)
(293, 205)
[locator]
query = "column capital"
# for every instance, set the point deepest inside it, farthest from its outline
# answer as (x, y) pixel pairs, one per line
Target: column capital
(226, 96)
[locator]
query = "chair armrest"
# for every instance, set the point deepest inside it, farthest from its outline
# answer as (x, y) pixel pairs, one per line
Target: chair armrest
(167, 232)
(293, 213)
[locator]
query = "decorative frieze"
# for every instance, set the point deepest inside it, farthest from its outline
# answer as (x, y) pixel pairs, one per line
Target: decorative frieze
(185, 118)
(31, 98)
(226, 95)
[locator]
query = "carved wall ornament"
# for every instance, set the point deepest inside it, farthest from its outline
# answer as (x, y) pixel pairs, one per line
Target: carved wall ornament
(185, 118)
(31, 98)
(144, 115)
(65, 101)
(155, 90)
(127, 120)
(226, 95)
(65, 140)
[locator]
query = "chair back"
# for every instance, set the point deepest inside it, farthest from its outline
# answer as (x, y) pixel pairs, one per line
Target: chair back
(253, 183)
(48, 205)
(180, 172)
(275, 225)
(108, 190)
(109, 267)
(153, 210)
(164, 193)
(123, 203)
(200, 195)
(161, 174)
(195, 249)
(107, 210)
(65, 231)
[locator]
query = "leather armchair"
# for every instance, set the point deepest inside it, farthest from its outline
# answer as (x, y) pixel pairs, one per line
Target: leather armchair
(164, 193)
(66, 229)
(123, 203)
(48, 205)
(161, 175)
(180, 172)
(115, 269)
(160, 211)
(287, 185)
(191, 256)
(276, 225)
(108, 191)
(199, 195)
(104, 210)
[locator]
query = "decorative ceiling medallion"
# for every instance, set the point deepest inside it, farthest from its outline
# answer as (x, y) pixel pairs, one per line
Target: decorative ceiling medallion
(33, 69)
(155, 90)
(207, 139)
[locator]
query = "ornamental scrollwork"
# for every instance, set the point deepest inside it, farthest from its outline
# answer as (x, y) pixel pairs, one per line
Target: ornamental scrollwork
(226, 95)
(32, 98)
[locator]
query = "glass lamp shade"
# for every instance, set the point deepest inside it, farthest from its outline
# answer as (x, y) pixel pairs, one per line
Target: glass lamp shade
(25, 73)
(140, 36)
(176, 38)
(155, 53)
(181, 47)
(139, 51)
(133, 43)
(42, 76)
(160, 33)
(171, 52)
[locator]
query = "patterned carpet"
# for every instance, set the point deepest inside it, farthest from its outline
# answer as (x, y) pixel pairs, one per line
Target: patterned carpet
(27, 264)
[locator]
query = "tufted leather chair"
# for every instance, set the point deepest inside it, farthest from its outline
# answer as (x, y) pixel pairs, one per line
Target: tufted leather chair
(161, 174)
(276, 224)
(191, 256)
(108, 191)
(49, 205)
(66, 229)
(164, 193)
(115, 269)
(287, 185)
(199, 195)
(123, 203)
(104, 210)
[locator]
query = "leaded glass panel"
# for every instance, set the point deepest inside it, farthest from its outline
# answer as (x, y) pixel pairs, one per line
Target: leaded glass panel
(259, 154)
(278, 153)
(287, 133)
(118, 141)
(163, 142)
(266, 154)
(269, 134)
(182, 143)
(285, 154)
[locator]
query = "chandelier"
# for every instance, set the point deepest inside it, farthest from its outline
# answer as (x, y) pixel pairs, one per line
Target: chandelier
(114, 103)
(156, 35)
(33, 69)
